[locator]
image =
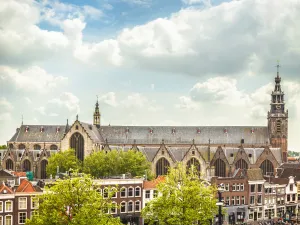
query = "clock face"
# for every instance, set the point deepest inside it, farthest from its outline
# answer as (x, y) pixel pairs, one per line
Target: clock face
(278, 106)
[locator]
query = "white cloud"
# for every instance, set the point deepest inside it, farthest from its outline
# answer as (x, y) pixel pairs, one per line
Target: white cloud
(5, 109)
(109, 99)
(135, 100)
(191, 2)
(187, 103)
(66, 100)
(33, 79)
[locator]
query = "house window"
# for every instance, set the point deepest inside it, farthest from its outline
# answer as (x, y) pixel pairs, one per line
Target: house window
(233, 200)
(288, 198)
(8, 206)
(34, 202)
(233, 187)
(147, 194)
(113, 208)
(238, 187)
(227, 200)
(33, 213)
(130, 192)
(243, 200)
(137, 192)
(259, 188)
(294, 198)
(291, 187)
(1, 207)
(154, 193)
(105, 193)
(123, 192)
(227, 187)
(130, 206)
(251, 214)
(8, 220)
(137, 206)
(123, 207)
(113, 192)
(237, 200)
(22, 217)
(251, 200)
(259, 199)
(242, 187)
(252, 188)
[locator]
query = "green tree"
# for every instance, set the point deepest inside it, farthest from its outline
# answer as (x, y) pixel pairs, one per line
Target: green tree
(73, 202)
(3, 147)
(65, 160)
(114, 162)
(183, 199)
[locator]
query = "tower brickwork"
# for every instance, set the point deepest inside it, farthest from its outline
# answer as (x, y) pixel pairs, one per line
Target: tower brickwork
(97, 115)
(278, 119)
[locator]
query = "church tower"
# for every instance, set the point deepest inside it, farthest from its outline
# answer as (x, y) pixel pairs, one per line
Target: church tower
(97, 115)
(278, 119)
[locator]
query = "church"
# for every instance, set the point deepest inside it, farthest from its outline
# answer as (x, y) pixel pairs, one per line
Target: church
(213, 150)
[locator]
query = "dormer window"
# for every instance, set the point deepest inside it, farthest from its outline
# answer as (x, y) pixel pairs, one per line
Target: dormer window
(198, 131)
(57, 129)
(173, 131)
(225, 131)
(151, 131)
(42, 129)
(26, 129)
(252, 130)
(127, 130)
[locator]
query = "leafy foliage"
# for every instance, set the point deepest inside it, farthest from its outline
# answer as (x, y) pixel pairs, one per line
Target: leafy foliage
(102, 164)
(182, 199)
(65, 160)
(73, 201)
(3, 147)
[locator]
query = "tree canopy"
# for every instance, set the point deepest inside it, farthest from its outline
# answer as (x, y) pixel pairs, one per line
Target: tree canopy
(65, 160)
(3, 147)
(111, 163)
(183, 199)
(73, 202)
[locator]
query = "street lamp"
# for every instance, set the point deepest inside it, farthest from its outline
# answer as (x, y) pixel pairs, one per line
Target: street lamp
(220, 203)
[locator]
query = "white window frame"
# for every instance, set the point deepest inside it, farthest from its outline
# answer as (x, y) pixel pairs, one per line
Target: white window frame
(125, 191)
(19, 217)
(146, 192)
(19, 204)
(139, 203)
(125, 207)
(237, 188)
(11, 216)
(140, 190)
(233, 187)
(132, 206)
(115, 192)
(132, 191)
(243, 200)
(115, 208)
(32, 200)
(242, 187)
(105, 191)
(226, 187)
(237, 200)
(11, 206)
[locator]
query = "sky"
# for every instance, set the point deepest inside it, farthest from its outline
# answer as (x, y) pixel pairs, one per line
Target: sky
(150, 62)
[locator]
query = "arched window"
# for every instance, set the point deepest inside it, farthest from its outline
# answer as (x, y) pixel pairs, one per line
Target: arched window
(241, 164)
(44, 164)
(130, 206)
(137, 192)
(130, 192)
(267, 167)
(137, 206)
(105, 192)
(123, 191)
(77, 143)
(162, 166)
(9, 165)
(220, 168)
(123, 207)
(53, 147)
(193, 162)
(114, 208)
(37, 147)
(21, 146)
(26, 165)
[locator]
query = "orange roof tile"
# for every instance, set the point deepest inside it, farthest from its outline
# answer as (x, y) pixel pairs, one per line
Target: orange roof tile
(4, 187)
(19, 174)
(25, 186)
(152, 184)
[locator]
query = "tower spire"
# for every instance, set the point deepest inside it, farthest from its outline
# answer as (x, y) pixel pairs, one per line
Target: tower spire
(97, 115)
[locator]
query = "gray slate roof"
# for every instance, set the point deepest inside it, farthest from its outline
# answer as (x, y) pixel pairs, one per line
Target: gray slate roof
(184, 134)
(35, 135)
(93, 132)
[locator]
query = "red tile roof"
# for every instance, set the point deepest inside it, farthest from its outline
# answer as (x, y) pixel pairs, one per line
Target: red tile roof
(25, 186)
(152, 184)
(4, 187)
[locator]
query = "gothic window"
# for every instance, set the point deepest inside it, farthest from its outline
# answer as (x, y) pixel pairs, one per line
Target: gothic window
(267, 167)
(77, 143)
(37, 147)
(241, 164)
(162, 166)
(21, 146)
(53, 147)
(26, 165)
(195, 163)
(278, 126)
(9, 164)
(220, 168)
(44, 164)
